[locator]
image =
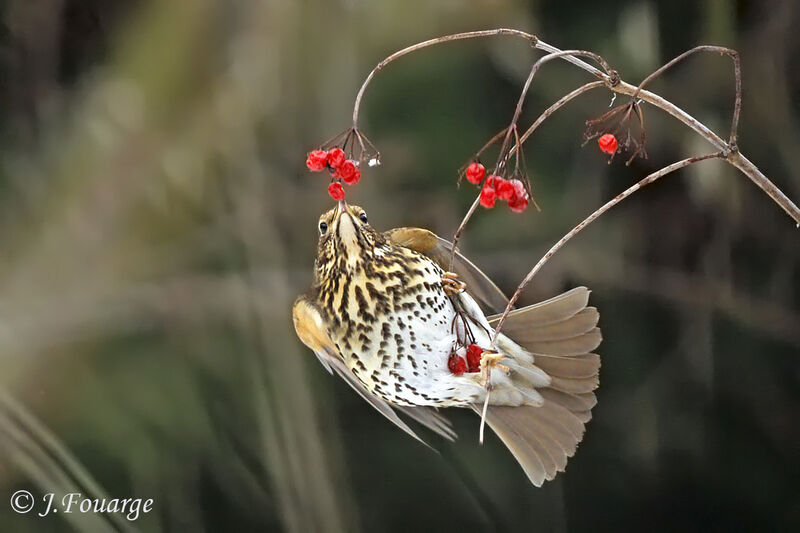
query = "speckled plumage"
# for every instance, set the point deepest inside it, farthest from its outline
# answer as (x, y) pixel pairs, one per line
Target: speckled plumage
(378, 316)
(391, 320)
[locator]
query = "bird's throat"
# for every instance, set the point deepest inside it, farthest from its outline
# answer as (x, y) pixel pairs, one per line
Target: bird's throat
(349, 239)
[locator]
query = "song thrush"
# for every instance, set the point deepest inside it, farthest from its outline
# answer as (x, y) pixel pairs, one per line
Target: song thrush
(385, 315)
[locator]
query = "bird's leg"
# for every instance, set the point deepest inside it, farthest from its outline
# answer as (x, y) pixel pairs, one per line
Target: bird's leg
(490, 360)
(451, 284)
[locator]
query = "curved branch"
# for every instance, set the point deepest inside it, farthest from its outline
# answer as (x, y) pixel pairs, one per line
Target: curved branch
(431, 42)
(737, 72)
(613, 82)
(552, 109)
(518, 110)
(591, 218)
(547, 112)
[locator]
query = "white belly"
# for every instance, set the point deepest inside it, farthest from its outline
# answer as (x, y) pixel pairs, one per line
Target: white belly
(407, 359)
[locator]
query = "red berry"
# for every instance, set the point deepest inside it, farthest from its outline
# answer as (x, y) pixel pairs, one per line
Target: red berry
(475, 173)
(336, 191)
(607, 143)
(519, 189)
(349, 172)
(490, 180)
(317, 160)
(488, 197)
(518, 204)
(336, 157)
(474, 353)
(457, 365)
(505, 189)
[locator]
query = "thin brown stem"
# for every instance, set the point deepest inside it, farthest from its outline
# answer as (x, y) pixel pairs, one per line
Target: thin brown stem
(552, 109)
(733, 157)
(513, 126)
(516, 158)
(618, 86)
(737, 71)
(491, 141)
(460, 230)
(588, 220)
(526, 87)
(431, 42)
(549, 111)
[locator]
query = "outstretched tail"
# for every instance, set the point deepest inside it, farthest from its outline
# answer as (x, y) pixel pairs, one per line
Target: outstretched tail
(557, 386)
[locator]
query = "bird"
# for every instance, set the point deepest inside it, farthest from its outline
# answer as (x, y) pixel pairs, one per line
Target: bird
(388, 312)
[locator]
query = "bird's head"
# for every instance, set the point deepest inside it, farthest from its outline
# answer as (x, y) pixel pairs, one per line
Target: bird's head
(346, 239)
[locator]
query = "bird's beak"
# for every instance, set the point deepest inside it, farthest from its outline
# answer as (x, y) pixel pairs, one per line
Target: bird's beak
(341, 207)
(346, 227)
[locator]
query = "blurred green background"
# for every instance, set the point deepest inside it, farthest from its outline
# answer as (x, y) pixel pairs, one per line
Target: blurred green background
(157, 221)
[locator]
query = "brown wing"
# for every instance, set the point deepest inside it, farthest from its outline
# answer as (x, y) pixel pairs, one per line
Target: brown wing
(310, 327)
(428, 243)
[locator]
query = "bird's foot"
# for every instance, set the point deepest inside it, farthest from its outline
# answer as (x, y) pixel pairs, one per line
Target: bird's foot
(451, 284)
(489, 361)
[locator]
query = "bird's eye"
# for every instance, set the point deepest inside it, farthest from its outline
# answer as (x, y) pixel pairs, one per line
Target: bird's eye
(323, 227)
(363, 217)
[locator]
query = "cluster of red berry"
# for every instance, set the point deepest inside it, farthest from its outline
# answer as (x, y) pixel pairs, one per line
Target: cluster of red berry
(458, 365)
(494, 187)
(341, 169)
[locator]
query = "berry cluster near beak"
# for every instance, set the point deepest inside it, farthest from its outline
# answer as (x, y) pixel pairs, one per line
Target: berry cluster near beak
(340, 167)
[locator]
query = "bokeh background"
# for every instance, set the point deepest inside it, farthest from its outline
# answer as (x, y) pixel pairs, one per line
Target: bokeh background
(157, 221)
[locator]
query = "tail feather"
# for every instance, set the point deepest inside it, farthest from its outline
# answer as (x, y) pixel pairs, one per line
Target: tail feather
(529, 372)
(560, 333)
(576, 367)
(555, 309)
(575, 386)
(540, 438)
(573, 402)
(582, 322)
(566, 347)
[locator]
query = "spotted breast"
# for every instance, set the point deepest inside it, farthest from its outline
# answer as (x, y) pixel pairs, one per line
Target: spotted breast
(384, 316)
(392, 323)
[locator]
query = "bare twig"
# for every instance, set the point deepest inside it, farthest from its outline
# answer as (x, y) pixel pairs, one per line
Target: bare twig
(461, 227)
(552, 109)
(504, 155)
(614, 83)
(591, 218)
(546, 114)
(425, 44)
(524, 92)
(737, 71)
